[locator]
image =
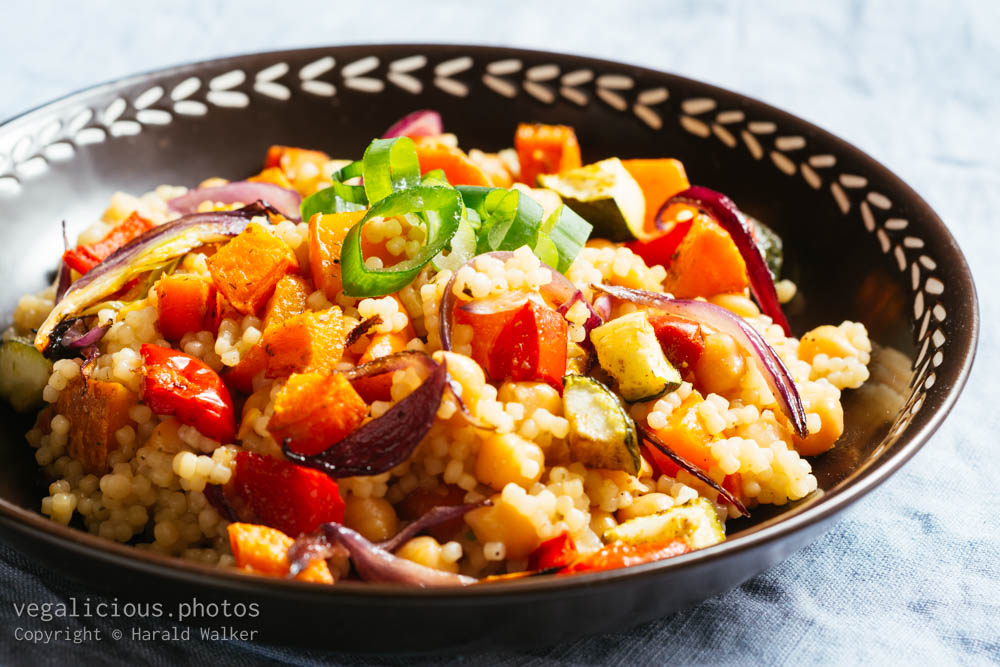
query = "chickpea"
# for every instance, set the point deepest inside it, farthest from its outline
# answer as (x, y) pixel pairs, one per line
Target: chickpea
(736, 303)
(374, 518)
(508, 458)
(827, 339)
(165, 437)
(721, 365)
(426, 551)
(827, 405)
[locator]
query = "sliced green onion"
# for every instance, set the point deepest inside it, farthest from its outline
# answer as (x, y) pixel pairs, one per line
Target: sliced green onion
(389, 165)
(546, 250)
(435, 177)
(568, 232)
(463, 248)
(441, 212)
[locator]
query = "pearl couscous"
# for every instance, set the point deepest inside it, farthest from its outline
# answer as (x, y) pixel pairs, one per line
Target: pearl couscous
(443, 341)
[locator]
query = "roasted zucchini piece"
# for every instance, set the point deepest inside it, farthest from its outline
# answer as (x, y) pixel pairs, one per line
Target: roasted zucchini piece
(770, 246)
(601, 432)
(696, 522)
(605, 195)
(628, 349)
(24, 372)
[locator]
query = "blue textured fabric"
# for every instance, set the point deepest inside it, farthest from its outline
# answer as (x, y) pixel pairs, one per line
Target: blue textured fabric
(911, 575)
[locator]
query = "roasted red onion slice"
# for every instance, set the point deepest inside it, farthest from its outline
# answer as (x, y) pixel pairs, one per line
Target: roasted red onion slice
(150, 251)
(749, 339)
(286, 201)
(436, 515)
(655, 441)
(387, 441)
(71, 336)
(216, 497)
(423, 123)
(558, 291)
(593, 321)
(376, 564)
(361, 329)
(308, 548)
(725, 212)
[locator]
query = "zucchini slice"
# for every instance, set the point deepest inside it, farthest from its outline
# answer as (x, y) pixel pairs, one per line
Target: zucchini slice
(24, 372)
(605, 195)
(770, 246)
(628, 349)
(696, 522)
(601, 432)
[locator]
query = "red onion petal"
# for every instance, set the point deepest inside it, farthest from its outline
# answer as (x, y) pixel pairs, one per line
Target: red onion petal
(216, 497)
(593, 321)
(559, 290)
(749, 339)
(652, 439)
(385, 442)
(433, 517)
(286, 201)
(376, 564)
(422, 123)
(177, 236)
(308, 548)
(725, 212)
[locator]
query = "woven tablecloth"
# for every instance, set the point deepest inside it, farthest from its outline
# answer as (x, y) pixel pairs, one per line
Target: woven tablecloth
(911, 574)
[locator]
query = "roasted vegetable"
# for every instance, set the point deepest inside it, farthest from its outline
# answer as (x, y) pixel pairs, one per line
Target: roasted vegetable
(84, 257)
(24, 372)
(313, 411)
(185, 303)
(457, 167)
(659, 179)
(310, 341)
(264, 550)
(706, 262)
(175, 383)
(627, 348)
(606, 196)
(246, 269)
(556, 552)
(545, 149)
(620, 554)
(601, 432)
(285, 496)
(696, 522)
(532, 346)
(96, 410)
(770, 246)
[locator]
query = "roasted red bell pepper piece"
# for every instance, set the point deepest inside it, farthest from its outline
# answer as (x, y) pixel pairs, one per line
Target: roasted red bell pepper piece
(486, 329)
(559, 551)
(178, 384)
(620, 554)
(84, 257)
(293, 499)
(661, 249)
(682, 340)
(532, 346)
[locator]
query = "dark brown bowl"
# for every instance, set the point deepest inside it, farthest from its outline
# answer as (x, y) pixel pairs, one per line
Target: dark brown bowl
(860, 244)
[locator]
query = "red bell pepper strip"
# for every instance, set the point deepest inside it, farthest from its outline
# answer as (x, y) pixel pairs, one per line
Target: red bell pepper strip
(557, 552)
(178, 384)
(84, 257)
(683, 341)
(293, 499)
(620, 554)
(661, 249)
(532, 346)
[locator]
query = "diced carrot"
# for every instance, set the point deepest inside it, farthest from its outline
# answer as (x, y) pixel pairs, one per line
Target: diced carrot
(289, 299)
(659, 180)
(84, 257)
(706, 263)
(264, 550)
(326, 237)
(531, 347)
(545, 149)
(685, 435)
(185, 303)
(246, 269)
(313, 411)
(458, 168)
(312, 341)
(272, 175)
(95, 411)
